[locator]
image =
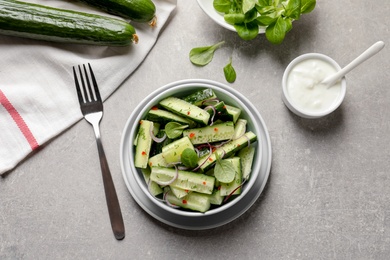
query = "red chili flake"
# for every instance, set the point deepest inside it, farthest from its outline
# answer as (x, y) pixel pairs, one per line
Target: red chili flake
(143, 153)
(204, 183)
(238, 145)
(188, 113)
(140, 122)
(186, 191)
(150, 164)
(219, 187)
(213, 149)
(216, 129)
(184, 201)
(210, 159)
(154, 108)
(224, 107)
(192, 135)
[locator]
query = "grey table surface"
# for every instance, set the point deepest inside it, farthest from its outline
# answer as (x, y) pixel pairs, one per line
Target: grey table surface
(328, 195)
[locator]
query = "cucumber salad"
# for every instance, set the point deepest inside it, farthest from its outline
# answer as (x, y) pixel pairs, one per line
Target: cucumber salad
(194, 152)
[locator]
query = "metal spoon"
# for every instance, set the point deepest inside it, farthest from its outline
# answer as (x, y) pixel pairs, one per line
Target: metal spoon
(374, 49)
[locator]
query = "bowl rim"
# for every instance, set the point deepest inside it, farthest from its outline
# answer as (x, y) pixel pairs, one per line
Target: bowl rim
(150, 99)
(290, 104)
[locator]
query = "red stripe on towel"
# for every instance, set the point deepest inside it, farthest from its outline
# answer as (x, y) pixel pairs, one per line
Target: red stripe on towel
(19, 121)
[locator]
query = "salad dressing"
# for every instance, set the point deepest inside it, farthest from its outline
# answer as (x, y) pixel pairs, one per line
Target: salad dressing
(305, 90)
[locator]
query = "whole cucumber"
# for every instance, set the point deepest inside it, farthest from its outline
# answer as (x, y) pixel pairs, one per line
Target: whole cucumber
(135, 10)
(52, 24)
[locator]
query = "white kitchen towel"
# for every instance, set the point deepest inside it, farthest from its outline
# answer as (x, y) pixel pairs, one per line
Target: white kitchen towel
(37, 94)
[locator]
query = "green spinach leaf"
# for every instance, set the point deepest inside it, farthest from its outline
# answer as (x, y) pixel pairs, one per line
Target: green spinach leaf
(222, 6)
(276, 32)
(224, 170)
(293, 9)
(248, 5)
(229, 72)
(174, 130)
(307, 6)
(247, 31)
(203, 55)
(189, 158)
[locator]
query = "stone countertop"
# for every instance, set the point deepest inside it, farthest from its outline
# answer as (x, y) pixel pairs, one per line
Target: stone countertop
(328, 194)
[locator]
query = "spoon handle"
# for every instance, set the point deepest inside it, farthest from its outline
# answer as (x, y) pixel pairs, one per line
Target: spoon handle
(374, 49)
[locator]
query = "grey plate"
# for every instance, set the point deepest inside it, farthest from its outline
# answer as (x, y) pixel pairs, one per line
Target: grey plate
(194, 220)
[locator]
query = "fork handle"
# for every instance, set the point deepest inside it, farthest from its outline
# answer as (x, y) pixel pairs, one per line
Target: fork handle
(114, 209)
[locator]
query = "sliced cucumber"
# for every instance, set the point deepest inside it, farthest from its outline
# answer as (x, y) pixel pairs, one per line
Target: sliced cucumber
(194, 201)
(234, 187)
(239, 128)
(220, 112)
(216, 198)
(172, 152)
(153, 187)
(210, 134)
(179, 193)
(227, 150)
(235, 112)
(144, 143)
(163, 117)
(156, 146)
(198, 97)
(247, 155)
(158, 160)
(185, 109)
(185, 180)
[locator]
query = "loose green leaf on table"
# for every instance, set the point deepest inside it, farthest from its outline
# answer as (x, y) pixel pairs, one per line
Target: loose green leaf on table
(203, 55)
(230, 73)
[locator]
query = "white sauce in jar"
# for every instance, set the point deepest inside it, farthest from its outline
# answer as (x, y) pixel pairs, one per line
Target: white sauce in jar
(305, 90)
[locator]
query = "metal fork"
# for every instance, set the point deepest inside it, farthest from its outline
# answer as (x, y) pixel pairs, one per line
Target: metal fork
(91, 106)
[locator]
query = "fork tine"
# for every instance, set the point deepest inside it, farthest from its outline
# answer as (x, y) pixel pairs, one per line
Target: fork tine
(87, 94)
(95, 85)
(90, 92)
(76, 80)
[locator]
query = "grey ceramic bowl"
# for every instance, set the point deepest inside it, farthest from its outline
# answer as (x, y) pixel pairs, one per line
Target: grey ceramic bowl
(217, 216)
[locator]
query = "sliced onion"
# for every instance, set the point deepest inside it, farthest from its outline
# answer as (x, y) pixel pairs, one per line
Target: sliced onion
(200, 165)
(197, 151)
(231, 193)
(149, 183)
(248, 140)
(166, 183)
(222, 143)
(167, 202)
(214, 113)
(156, 139)
(216, 100)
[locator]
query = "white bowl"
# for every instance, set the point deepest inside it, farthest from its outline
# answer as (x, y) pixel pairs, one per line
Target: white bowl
(299, 110)
(208, 8)
(217, 216)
